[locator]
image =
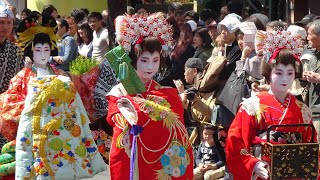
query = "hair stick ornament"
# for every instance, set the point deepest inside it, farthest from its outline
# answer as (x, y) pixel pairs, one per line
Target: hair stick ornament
(271, 43)
(132, 29)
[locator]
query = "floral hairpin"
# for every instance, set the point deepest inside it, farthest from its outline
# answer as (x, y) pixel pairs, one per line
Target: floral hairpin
(132, 29)
(271, 43)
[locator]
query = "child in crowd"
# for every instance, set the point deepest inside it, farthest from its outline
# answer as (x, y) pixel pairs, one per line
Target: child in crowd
(220, 45)
(208, 160)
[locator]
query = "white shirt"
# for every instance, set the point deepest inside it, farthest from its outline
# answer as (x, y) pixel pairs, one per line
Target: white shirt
(100, 44)
(84, 48)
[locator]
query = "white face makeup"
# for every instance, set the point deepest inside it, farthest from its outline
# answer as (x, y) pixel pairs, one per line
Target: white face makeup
(282, 78)
(148, 65)
(41, 54)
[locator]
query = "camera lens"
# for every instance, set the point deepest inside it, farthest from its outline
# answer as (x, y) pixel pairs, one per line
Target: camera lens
(191, 95)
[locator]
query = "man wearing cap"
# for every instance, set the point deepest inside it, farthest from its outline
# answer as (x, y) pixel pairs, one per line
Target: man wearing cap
(227, 28)
(305, 20)
(10, 58)
(202, 103)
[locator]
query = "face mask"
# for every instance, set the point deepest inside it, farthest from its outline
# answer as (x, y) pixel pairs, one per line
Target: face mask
(282, 77)
(41, 53)
(147, 65)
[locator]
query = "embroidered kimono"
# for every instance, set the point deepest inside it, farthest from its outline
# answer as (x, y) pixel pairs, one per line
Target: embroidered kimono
(157, 146)
(250, 125)
(12, 101)
(54, 140)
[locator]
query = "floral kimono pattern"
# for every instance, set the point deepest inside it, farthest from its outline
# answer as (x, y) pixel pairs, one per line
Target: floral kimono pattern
(54, 140)
(12, 101)
(251, 122)
(161, 149)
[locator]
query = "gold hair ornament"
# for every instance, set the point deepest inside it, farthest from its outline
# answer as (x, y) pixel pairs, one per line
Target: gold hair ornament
(26, 38)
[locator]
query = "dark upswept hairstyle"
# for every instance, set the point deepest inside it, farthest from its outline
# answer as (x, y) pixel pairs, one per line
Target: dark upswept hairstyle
(47, 21)
(284, 57)
(276, 25)
(78, 15)
(256, 22)
(85, 26)
(27, 11)
(150, 44)
(204, 35)
(49, 9)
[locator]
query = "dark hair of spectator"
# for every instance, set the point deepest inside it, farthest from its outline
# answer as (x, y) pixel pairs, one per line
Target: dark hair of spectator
(78, 15)
(27, 11)
(206, 14)
(210, 127)
(183, 42)
(193, 15)
(276, 25)
(138, 7)
(130, 10)
(63, 23)
(235, 7)
(175, 6)
(285, 57)
(85, 26)
(96, 15)
(150, 44)
(49, 9)
(256, 22)
(204, 35)
(175, 27)
(86, 11)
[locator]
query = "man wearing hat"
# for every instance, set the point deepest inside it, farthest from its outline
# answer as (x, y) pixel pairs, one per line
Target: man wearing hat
(227, 29)
(10, 58)
(198, 105)
(305, 20)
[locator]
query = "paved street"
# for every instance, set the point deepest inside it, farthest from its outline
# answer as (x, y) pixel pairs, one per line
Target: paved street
(101, 176)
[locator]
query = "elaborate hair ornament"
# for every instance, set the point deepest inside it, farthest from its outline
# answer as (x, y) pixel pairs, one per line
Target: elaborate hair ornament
(271, 43)
(132, 29)
(26, 37)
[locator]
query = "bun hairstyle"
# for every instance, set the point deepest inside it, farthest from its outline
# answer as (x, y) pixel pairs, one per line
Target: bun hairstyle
(285, 57)
(150, 44)
(37, 28)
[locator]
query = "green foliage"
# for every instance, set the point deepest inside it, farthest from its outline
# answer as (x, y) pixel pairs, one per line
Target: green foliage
(81, 65)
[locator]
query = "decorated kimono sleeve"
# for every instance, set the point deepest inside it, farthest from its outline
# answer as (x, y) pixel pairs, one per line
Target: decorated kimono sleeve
(12, 103)
(240, 137)
(139, 118)
(24, 146)
(92, 149)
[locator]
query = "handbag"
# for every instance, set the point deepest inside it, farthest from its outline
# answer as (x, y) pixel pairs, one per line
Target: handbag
(234, 91)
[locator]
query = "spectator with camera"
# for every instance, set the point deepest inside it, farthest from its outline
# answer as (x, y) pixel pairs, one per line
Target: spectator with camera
(198, 105)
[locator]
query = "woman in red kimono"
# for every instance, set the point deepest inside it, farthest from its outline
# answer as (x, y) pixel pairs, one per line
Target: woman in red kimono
(255, 114)
(149, 137)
